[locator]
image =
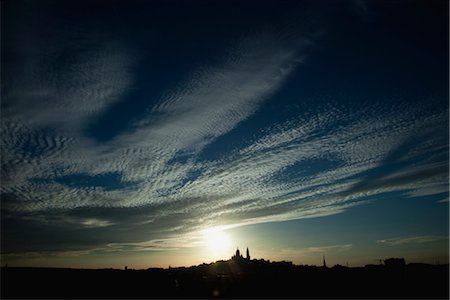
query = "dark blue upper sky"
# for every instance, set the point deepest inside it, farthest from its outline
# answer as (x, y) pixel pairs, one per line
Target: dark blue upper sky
(131, 128)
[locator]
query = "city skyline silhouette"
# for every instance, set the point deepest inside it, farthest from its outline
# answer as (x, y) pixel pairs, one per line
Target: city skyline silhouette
(237, 277)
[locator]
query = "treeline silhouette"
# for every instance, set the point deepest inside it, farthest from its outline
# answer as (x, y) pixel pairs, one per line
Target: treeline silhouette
(234, 278)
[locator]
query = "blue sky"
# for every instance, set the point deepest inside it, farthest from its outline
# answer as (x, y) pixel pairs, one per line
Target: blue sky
(296, 128)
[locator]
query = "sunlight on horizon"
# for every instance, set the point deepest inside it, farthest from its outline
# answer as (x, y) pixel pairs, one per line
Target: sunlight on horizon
(218, 243)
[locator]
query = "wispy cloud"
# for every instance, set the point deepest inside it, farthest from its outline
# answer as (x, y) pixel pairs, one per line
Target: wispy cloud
(69, 94)
(327, 249)
(315, 253)
(208, 105)
(412, 240)
(274, 178)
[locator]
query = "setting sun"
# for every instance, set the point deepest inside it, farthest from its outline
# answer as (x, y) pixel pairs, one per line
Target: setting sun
(217, 241)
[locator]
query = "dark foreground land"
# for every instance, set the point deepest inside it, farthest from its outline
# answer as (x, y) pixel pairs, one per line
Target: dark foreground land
(230, 279)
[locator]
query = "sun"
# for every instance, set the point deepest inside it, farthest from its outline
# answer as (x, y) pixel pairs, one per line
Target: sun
(217, 241)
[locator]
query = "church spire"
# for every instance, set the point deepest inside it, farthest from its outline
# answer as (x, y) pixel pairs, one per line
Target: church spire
(248, 254)
(324, 262)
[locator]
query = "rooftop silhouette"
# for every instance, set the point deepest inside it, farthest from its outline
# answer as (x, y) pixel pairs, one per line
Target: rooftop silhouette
(237, 277)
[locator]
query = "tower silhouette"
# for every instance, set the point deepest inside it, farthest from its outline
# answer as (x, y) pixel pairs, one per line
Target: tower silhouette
(248, 254)
(324, 262)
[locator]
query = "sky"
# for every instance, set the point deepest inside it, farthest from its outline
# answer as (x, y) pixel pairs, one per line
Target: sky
(169, 133)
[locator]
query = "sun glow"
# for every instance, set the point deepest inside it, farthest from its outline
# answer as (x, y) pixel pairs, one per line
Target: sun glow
(218, 243)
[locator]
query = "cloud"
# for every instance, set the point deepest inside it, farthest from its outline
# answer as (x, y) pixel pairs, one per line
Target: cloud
(412, 240)
(327, 249)
(174, 243)
(166, 244)
(67, 82)
(148, 187)
(208, 105)
(247, 186)
(96, 223)
(430, 189)
(361, 7)
(276, 177)
(316, 251)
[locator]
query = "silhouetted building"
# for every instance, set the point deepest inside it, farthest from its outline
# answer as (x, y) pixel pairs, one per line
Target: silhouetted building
(324, 262)
(248, 254)
(339, 267)
(394, 262)
(238, 255)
